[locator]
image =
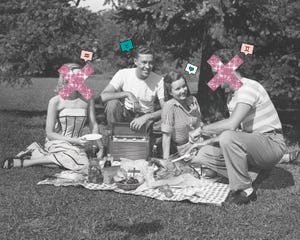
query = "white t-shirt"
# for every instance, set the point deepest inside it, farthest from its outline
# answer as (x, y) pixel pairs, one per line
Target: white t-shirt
(144, 90)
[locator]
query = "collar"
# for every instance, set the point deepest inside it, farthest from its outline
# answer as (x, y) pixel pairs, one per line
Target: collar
(190, 100)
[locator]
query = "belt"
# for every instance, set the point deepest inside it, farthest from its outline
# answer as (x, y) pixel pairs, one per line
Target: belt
(275, 131)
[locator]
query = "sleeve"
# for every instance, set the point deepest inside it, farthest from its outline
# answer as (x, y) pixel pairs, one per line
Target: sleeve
(248, 95)
(160, 89)
(167, 118)
(117, 81)
(196, 104)
(196, 113)
(198, 108)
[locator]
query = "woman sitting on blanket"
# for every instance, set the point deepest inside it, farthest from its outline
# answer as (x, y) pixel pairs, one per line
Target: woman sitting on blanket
(65, 120)
(181, 114)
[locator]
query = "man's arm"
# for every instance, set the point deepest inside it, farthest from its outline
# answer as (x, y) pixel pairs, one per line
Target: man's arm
(110, 93)
(137, 123)
(230, 123)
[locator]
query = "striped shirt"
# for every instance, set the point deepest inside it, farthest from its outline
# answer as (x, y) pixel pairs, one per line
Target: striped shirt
(262, 116)
(178, 121)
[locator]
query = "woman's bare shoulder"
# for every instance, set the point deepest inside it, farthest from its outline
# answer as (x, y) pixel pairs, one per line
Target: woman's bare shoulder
(55, 100)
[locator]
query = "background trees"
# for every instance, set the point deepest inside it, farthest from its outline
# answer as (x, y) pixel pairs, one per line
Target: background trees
(36, 37)
(183, 28)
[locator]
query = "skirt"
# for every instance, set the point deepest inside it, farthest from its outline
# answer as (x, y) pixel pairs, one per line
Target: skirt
(66, 155)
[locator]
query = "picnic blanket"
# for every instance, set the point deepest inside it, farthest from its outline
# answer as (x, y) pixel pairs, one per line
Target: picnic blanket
(206, 192)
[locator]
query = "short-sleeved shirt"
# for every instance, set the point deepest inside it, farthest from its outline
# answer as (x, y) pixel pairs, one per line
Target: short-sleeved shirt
(178, 121)
(144, 90)
(262, 116)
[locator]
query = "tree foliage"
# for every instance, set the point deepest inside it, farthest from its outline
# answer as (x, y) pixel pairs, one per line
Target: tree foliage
(37, 36)
(185, 26)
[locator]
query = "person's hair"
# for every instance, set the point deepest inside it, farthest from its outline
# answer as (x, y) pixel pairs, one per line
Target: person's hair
(61, 80)
(226, 54)
(143, 50)
(173, 76)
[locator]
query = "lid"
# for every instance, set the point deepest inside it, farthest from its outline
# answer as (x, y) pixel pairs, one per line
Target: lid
(123, 129)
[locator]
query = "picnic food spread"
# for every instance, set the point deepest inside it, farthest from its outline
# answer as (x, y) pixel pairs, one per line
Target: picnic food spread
(145, 178)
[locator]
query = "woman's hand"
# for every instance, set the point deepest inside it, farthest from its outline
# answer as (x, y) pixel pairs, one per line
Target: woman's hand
(194, 135)
(78, 141)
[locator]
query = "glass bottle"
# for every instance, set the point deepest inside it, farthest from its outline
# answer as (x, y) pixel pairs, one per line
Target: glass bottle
(108, 161)
(94, 174)
(154, 151)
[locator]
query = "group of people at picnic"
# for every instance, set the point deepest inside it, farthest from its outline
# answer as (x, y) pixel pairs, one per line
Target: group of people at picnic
(250, 139)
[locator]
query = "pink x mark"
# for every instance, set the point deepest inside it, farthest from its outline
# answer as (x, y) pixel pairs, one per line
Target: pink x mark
(75, 81)
(224, 72)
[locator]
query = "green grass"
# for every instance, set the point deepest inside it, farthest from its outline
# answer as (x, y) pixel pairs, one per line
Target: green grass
(35, 97)
(31, 211)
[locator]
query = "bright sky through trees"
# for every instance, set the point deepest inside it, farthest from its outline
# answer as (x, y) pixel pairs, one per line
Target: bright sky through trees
(93, 5)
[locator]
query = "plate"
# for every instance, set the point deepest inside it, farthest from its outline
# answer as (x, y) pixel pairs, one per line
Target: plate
(91, 137)
(128, 187)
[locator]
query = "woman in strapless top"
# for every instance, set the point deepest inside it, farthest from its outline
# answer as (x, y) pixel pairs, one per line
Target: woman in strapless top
(65, 121)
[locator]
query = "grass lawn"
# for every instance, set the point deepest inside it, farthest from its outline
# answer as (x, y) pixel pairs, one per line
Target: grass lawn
(31, 211)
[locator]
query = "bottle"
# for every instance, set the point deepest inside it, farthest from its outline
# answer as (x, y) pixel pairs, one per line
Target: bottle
(108, 161)
(94, 174)
(154, 151)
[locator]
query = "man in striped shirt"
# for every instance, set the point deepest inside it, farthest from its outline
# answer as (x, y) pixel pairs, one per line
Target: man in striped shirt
(260, 144)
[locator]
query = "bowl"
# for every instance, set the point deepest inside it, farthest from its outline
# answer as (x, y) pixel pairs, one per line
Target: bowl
(128, 186)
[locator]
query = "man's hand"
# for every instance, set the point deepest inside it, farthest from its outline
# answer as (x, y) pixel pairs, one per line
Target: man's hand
(138, 122)
(194, 135)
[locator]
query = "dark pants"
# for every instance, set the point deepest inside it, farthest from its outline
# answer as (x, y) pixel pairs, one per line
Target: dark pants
(116, 112)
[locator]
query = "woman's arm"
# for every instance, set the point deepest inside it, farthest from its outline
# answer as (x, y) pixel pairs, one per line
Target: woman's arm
(50, 123)
(93, 125)
(166, 145)
(92, 117)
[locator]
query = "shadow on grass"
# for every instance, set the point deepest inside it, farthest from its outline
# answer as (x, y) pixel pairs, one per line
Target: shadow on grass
(276, 178)
(139, 229)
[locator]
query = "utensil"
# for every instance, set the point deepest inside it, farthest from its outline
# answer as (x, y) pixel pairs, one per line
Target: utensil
(182, 157)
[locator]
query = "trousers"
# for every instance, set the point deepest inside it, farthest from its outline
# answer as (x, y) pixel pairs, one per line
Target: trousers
(237, 152)
(116, 112)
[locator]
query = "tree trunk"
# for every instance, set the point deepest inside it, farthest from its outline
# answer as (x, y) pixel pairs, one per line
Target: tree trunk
(212, 103)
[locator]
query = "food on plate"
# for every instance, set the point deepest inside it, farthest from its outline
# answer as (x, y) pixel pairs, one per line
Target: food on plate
(129, 184)
(130, 180)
